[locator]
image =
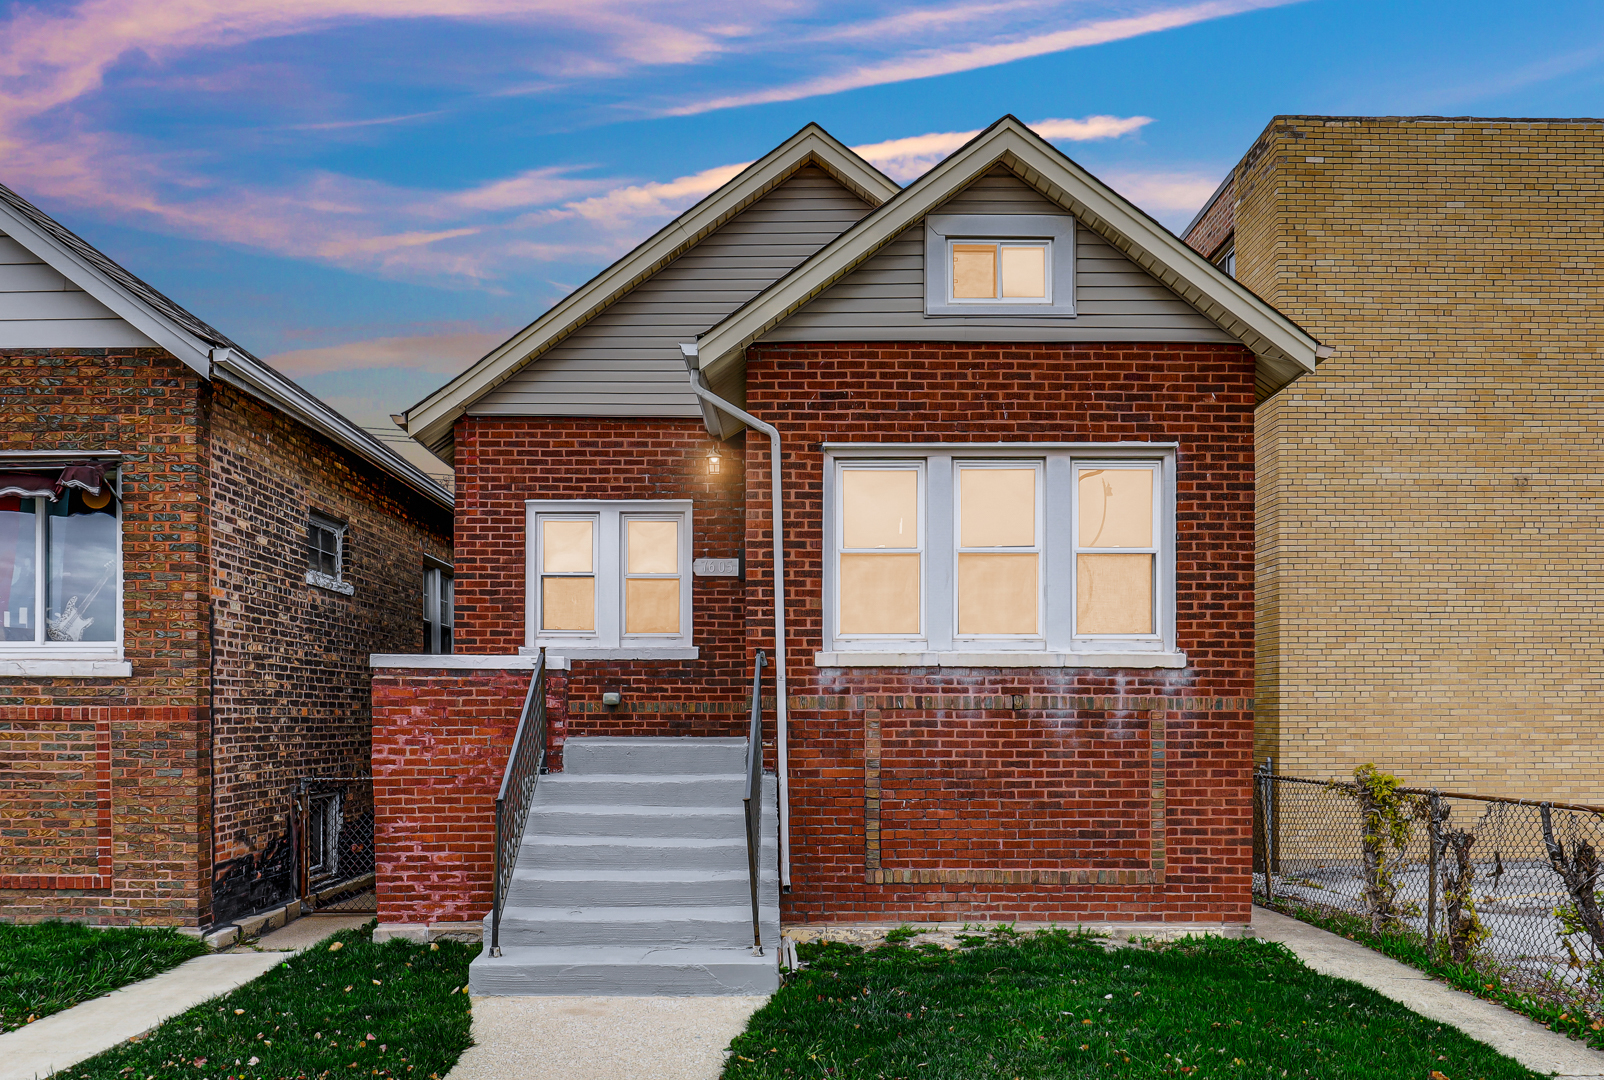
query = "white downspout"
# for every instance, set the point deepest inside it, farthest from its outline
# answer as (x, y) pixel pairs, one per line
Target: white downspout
(782, 754)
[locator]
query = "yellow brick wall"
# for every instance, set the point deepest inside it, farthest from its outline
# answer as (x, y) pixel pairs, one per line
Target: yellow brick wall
(1431, 500)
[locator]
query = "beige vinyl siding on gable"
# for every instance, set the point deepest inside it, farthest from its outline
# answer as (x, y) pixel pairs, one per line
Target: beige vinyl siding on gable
(40, 309)
(626, 361)
(884, 299)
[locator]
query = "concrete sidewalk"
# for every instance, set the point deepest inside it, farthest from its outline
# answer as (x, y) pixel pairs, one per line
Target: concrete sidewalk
(83, 1031)
(602, 1038)
(1527, 1041)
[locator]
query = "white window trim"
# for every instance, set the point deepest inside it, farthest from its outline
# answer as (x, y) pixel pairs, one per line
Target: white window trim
(61, 659)
(337, 582)
(608, 642)
(1058, 646)
(892, 642)
(941, 229)
(986, 643)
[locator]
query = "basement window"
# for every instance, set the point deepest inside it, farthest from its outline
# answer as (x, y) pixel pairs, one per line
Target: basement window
(984, 265)
(1054, 556)
(610, 579)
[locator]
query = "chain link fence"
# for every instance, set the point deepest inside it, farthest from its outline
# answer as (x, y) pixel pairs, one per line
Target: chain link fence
(1504, 886)
(334, 843)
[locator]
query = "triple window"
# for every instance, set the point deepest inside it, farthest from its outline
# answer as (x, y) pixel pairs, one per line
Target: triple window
(1002, 548)
(607, 574)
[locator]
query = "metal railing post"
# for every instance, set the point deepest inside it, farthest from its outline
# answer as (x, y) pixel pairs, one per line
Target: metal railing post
(750, 800)
(1434, 842)
(1269, 829)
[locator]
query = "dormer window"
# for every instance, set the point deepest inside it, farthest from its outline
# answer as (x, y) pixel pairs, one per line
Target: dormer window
(987, 265)
(1006, 270)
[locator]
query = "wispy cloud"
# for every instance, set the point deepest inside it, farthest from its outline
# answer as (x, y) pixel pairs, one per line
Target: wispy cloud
(911, 157)
(436, 353)
(1163, 194)
(926, 64)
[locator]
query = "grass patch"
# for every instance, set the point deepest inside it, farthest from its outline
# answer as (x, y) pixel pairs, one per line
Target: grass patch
(50, 966)
(1054, 1004)
(1550, 1003)
(344, 1008)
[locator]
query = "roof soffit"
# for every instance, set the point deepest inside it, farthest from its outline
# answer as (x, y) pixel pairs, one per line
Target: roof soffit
(431, 420)
(1288, 350)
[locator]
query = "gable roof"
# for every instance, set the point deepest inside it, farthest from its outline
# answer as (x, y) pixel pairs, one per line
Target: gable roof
(1284, 350)
(430, 421)
(197, 344)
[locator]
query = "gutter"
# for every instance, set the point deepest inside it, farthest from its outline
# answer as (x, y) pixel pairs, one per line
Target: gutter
(782, 752)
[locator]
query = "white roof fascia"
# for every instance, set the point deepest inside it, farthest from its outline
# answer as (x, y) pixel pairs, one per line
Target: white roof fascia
(1216, 295)
(190, 350)
(261, 381)
(430, 420)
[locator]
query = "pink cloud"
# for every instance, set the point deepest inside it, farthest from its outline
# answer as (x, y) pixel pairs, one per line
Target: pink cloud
(908, 158)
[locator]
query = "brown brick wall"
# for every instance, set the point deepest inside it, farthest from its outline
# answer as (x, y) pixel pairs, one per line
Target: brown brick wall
(104, 779)
(1428, 498)
(1218, 222)
(292, 658)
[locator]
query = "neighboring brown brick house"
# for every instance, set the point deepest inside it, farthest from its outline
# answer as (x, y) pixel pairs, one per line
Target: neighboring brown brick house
(1429, 595)
(162, 484)
(1017, 427)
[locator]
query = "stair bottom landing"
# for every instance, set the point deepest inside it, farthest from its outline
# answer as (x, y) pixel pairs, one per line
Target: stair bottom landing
(619, 971)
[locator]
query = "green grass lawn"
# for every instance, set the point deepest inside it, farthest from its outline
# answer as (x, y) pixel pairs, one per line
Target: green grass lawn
(1056, 1005)
(345, 1008)
(51, 966)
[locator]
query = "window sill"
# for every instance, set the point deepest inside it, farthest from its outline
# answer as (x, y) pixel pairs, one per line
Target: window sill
(558, 655)
(452, 661)
(1001, 659)
(65, 669)
(323, 581)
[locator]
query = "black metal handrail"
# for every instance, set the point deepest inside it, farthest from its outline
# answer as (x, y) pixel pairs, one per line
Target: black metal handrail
(524, 766)
(750, 799)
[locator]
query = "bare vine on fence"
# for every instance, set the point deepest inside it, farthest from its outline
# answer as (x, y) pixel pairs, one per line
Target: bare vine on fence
(1579, 871)
(1387, 823)
(1465, 931)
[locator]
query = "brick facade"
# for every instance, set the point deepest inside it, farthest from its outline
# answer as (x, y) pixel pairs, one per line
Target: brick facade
(107, 784)
(915, 793)
(1427, 517)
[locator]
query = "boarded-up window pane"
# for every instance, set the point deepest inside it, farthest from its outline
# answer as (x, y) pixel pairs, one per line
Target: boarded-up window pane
(653, 547)
(880, 508)
(1114, 594)
(880, 594)
(1024, 272)
(568, 603)
(997, 507)
(651, 606)
(565, 547)
(1116, 508)
(996, 594)
(974, 271)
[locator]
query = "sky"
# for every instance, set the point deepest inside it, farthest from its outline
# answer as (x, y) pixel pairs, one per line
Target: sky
(371, 194)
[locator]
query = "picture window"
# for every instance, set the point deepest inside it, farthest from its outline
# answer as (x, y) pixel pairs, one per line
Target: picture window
(60, 560)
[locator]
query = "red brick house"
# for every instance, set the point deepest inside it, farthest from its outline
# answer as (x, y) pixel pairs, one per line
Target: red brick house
(196, 559)
(1015, 428)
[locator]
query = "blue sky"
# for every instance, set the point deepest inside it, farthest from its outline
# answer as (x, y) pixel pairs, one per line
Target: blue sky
(372, 193)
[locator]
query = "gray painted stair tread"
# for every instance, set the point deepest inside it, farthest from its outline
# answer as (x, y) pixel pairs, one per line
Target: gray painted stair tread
(589, 913)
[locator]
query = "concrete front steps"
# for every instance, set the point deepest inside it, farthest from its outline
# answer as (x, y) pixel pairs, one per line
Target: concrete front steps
(632, 877)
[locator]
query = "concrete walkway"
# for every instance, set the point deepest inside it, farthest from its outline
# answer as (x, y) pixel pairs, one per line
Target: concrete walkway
(602, 1038)
(1527, 1041)
(83, 1031)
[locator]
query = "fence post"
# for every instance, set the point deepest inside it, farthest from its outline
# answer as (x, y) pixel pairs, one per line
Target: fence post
(1434, 847)
(1269, 828)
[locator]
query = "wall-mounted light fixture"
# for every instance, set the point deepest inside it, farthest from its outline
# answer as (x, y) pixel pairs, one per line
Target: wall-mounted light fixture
(713, 462)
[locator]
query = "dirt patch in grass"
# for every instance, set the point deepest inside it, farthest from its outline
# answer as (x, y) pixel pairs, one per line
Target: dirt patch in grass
(1056, 1004)
(348, 1007)
(50, 966)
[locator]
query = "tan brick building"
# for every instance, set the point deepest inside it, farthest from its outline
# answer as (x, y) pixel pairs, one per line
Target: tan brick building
(1431, 499)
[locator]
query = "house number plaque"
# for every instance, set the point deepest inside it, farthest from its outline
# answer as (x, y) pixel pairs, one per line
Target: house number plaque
(717, 567)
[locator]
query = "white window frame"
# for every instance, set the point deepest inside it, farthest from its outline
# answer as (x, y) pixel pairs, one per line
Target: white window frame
(439, 600)
(943, 230)
(838, 546)
(608, 641)
(41, 657)
(336, 582)
(1058, 645)
(993, 642)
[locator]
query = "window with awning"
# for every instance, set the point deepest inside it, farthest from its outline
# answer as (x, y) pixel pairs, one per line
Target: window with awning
(60, 555)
